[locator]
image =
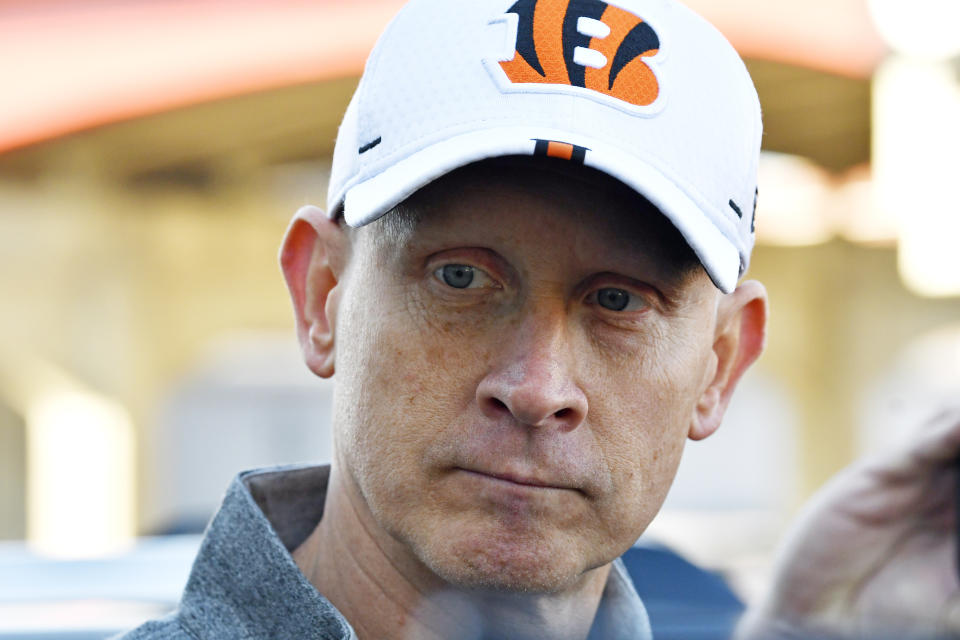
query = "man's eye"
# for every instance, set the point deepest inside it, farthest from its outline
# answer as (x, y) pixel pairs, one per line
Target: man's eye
(461, 276)
(618, 299)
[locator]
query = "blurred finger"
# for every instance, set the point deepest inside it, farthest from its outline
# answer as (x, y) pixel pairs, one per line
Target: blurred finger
(935, 444)
(950, 619)
(939, 441)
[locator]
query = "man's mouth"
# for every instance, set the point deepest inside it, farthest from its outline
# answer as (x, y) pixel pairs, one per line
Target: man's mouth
(517, 479)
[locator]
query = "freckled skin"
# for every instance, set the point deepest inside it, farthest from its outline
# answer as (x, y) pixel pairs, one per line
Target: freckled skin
(527, 376)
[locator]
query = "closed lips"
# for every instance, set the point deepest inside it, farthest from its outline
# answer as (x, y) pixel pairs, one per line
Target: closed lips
(520, 480)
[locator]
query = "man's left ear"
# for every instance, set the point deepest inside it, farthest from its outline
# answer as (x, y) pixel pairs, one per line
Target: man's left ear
(739, 339)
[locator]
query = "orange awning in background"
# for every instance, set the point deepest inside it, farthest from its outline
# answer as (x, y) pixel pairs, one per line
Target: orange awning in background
(837, 36)
(70, 65)
(67, 66)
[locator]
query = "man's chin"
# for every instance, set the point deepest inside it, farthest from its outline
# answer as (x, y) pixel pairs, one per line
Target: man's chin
(501, 563)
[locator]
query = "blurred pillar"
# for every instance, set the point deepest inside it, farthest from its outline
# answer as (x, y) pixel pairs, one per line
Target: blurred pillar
(916, 139)
(80, 476)
(916, 163)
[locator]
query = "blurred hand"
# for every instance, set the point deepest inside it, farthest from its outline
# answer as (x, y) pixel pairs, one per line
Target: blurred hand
(873, 555)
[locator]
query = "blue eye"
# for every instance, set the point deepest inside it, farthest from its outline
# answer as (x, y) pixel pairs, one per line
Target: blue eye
(463, 276)
(613, 299)
(459, 276)
(616, 299)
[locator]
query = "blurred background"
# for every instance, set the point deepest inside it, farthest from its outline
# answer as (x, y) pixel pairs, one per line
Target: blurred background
(153, 151)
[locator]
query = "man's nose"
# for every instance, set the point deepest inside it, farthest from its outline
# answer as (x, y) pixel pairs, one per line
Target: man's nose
(533, 376)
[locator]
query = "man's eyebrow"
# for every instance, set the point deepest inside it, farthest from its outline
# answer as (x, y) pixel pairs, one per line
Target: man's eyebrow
(397, 227)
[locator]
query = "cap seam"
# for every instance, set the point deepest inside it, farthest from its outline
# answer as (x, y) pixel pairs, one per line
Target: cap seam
(370, 70)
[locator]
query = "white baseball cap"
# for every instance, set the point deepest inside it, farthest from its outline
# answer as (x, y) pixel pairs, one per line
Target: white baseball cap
(644, 90)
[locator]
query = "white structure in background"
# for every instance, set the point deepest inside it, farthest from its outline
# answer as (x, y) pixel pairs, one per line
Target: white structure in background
(924, 377)
(80, 480)
(916, 138)
(802, 204)
(80, 451)
(249, 402)
(794, 203)
(924, 29)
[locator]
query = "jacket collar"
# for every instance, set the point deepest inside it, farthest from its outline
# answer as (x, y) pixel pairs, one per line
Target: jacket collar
(244, 576)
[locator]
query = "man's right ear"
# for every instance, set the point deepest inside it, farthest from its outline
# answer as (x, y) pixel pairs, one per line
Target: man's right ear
(313, 257)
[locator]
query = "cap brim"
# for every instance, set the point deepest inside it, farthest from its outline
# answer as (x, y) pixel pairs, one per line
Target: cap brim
(367, 200)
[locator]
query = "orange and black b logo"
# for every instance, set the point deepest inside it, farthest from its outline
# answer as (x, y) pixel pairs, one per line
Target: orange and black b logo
(584, 43)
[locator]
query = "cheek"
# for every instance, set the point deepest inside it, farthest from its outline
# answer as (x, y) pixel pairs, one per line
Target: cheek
(653, 387)
(404, 375)
(642, 417)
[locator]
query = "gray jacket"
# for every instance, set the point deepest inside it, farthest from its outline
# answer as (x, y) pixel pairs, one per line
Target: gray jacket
(245, 585)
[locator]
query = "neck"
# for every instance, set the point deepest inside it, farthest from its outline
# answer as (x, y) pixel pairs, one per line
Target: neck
(385, 593)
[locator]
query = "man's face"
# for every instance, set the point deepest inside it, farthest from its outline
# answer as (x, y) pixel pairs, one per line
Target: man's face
(517, 376)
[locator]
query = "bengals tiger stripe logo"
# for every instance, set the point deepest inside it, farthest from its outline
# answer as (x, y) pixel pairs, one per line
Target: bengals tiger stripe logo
(584, 43)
